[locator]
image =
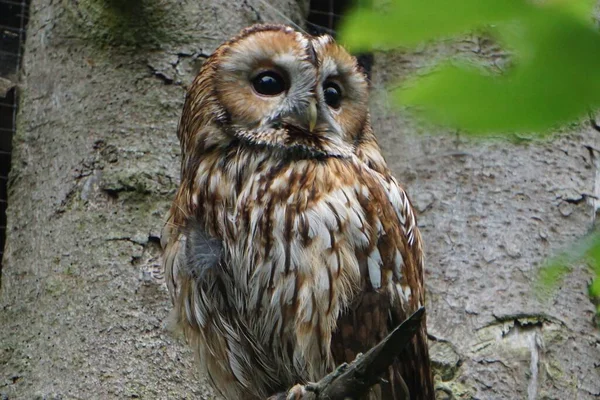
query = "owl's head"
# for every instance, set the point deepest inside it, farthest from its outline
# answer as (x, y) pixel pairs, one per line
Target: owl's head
(279, 89)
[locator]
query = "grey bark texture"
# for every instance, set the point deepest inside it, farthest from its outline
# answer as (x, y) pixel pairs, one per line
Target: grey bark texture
(84, 310)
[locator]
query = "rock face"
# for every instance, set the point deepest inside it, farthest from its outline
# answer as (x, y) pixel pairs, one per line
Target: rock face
(83, 306)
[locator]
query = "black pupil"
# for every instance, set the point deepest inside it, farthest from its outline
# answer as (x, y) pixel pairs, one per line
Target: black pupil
(268, 83)
(333, 95)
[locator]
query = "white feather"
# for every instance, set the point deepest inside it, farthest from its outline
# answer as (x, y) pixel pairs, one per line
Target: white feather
(374, 264)
(398, 264)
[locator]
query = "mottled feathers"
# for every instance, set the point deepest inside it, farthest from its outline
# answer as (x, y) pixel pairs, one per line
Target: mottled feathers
(289, 247)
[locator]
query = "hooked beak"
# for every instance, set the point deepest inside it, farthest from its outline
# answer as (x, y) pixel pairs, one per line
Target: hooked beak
(312, 114)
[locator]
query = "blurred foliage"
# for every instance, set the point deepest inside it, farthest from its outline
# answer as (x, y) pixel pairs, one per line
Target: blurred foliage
(554, 47)
(588, 251)
(554, 77)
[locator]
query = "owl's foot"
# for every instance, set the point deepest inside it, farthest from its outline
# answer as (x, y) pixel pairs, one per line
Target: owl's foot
(298, 392)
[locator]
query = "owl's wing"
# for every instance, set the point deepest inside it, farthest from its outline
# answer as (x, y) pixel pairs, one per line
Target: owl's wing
(191, 260)
(196, 274)
(392, 283)
(414, 364)
(188, 251)
(172, 243)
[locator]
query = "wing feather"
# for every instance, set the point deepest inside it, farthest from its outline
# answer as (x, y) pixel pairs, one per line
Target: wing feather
(392, 285)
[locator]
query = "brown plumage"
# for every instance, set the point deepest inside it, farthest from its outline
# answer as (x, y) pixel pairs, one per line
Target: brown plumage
(289, 247)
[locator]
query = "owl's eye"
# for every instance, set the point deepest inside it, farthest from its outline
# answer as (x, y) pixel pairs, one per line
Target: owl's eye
(332, 94)
(269, 83)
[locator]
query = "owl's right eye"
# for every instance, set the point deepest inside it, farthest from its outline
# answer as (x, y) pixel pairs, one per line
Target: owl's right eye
(269, 83)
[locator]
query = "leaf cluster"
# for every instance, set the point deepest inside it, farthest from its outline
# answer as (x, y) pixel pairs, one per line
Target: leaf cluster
(554, 77)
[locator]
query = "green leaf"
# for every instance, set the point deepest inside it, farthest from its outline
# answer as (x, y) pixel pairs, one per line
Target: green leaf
(586, 249)
(593, 256)
(550, 275)
(409, 22)
(580, 8)
(556, 52)
(556, 79)
(594, 288)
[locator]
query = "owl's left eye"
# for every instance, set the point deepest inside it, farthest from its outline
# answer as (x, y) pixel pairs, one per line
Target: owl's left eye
(333, 94)
(269, 83)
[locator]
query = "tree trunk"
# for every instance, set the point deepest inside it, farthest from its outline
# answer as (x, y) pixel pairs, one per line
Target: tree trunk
(96, 163)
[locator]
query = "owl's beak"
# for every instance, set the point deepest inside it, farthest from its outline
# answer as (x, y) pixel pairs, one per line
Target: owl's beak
(312, 114)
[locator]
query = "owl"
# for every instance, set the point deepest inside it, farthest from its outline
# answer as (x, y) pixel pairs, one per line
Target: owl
(289, 247)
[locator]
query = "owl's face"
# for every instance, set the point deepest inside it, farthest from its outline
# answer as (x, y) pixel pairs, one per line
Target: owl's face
(284, 90)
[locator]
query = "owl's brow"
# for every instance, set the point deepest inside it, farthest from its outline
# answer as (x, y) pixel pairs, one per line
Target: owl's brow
(312, 54)
(282, 15)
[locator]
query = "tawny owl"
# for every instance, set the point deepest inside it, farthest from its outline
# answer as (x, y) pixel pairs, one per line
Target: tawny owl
(289, 247)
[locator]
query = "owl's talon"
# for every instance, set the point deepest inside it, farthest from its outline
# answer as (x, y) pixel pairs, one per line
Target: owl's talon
(298, 392)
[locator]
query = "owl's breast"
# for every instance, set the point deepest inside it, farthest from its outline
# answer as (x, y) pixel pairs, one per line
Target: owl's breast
(295, 242)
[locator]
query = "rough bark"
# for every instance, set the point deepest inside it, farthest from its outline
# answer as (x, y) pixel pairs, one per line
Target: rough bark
(83, 308)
